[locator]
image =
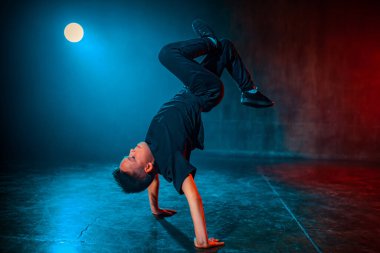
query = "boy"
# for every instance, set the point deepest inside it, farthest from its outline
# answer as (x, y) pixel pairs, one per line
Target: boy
(177, 128)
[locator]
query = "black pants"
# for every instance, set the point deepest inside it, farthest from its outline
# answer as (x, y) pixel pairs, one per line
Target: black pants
(203, 79)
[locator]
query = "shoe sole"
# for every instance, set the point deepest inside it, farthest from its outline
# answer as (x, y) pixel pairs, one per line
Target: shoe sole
(247, 103)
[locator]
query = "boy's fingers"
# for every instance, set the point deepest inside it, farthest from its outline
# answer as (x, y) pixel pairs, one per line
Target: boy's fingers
(164, 213)
(217, 243)
(171, 212)
(211, 244)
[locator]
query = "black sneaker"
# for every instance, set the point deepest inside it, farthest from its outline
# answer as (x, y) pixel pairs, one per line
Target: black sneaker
(203, 30)
(257, 100)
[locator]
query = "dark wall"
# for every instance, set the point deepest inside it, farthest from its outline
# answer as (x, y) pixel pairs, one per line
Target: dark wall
(93, 100)
(319, 61)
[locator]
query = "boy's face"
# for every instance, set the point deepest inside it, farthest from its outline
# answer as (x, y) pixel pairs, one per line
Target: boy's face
(138, 161)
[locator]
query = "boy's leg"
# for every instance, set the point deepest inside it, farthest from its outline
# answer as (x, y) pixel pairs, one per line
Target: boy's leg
(226, 56)
(178, 58)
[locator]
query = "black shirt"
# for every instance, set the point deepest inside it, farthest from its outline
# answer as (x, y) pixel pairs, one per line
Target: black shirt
(176, 129)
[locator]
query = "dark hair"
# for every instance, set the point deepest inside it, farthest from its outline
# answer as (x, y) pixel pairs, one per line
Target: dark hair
(130, 184)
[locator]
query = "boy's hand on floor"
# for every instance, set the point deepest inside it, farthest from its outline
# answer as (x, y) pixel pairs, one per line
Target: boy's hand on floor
(212, 242)
(162, 213)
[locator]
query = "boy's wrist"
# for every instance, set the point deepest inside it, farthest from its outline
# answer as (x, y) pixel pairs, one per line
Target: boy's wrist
(155, 210)
(200, 243)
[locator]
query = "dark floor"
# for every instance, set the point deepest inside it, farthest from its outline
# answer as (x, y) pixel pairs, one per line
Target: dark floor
(253, 205)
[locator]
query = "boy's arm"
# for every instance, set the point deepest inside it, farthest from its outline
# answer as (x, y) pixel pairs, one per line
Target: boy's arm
(198, 216)
(153, 200)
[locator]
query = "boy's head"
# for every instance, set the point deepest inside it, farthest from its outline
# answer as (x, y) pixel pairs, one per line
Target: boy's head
(136, 171)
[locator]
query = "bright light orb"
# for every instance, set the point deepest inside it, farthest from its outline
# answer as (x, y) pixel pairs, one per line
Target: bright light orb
(74, 32)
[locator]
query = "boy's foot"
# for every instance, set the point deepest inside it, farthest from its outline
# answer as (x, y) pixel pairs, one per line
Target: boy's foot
(203, 30)
(257, 100)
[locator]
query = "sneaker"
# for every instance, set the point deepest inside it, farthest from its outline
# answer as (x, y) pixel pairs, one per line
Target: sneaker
(257, 100)
(203, 30)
